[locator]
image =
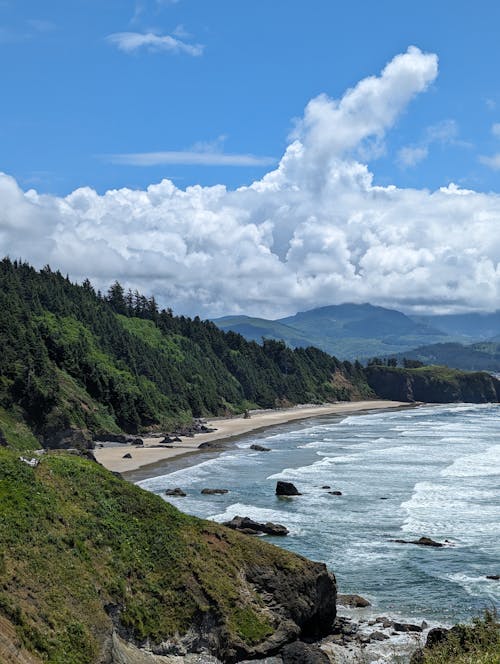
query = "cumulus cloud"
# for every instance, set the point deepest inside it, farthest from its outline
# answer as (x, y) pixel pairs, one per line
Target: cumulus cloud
(128, 42)
(316, 230)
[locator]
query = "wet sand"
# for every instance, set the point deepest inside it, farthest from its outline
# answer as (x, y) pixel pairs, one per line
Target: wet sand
(226, 428)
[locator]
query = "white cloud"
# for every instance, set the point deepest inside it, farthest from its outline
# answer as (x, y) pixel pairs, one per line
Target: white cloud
(202, 153)
(128, 42)
(492, 161)
(495, 129)
(315, 230)
(187, 157)
(409, 156)
(445, 133)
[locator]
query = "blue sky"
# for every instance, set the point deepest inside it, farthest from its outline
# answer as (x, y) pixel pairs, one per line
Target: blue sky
(71, 97)
(256, 157)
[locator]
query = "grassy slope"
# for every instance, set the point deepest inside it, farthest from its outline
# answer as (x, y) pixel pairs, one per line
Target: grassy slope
(16, 433)
(74, 538)
(478, 643)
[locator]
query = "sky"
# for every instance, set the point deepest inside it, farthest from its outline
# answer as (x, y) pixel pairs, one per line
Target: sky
(257, 157)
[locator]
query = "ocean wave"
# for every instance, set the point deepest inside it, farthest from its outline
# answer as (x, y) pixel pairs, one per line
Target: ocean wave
(481, 464)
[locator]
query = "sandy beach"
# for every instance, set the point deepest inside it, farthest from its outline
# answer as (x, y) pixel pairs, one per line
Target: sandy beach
(226, 428)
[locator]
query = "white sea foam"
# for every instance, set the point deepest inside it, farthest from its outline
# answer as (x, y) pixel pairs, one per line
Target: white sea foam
(480, 464)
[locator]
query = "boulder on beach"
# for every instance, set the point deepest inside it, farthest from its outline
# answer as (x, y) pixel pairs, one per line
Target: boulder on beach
(127, 456)
(354, 601)
(260, 448)
(175, 492)
(406, 627)
(250, 527)
(213, 492)
(299, 652)
(286, 489)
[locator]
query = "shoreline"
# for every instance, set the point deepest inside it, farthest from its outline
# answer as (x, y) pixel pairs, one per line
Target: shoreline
(227, 430)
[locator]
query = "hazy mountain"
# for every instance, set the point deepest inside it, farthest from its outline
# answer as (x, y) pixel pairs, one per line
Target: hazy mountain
(345, 330)
(482, 356)
(476, 326)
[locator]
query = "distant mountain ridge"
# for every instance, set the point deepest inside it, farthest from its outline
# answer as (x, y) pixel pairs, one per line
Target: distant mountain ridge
(347, 330)
(359, 331)
(474, 326)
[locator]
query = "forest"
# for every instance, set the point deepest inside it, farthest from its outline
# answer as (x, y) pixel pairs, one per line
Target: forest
(75, 357)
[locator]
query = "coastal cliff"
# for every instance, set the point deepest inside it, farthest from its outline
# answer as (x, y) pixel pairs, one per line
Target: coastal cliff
(432, 384)
(88, 560)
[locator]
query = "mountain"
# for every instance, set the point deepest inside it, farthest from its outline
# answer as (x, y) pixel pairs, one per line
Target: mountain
(474, 326)
(256, 329)
(347, 330)
(481, 356)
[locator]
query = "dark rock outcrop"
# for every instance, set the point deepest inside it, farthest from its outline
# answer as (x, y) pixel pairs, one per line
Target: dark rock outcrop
(123, 438)
(423, 541)
(335, 493)
(303, 653)
(432, 385)
(210, 445)
(68, 439)
(212, 492)
(260, 448)
(127, 456)
(250, 527)
(493, 577)
(286, 489)
(355, 601)
(436, 635)
(406, 627)
(175, 492)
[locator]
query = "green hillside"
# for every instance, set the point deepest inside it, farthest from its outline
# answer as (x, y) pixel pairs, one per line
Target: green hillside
(84, 554)
(481, 356)
(73, 358)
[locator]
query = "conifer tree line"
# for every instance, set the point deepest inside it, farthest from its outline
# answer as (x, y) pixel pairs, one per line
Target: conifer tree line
(73, 357)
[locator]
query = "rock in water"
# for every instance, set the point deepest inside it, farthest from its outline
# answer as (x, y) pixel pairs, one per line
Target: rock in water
(493, 577)
(335, 493)
(356, 601)
(406, 627)
(260, 448)
(303, 653)
(175, 492)
(286, 489)
(212, 492)
(246, 525)
(423, 541)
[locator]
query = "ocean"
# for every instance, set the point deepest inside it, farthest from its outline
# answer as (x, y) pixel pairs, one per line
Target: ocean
(427, 471)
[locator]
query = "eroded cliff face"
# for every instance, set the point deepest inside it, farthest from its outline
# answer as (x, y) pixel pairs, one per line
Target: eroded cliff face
(433, 385)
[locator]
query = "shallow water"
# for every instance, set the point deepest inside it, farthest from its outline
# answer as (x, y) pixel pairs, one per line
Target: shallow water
(432, 470)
